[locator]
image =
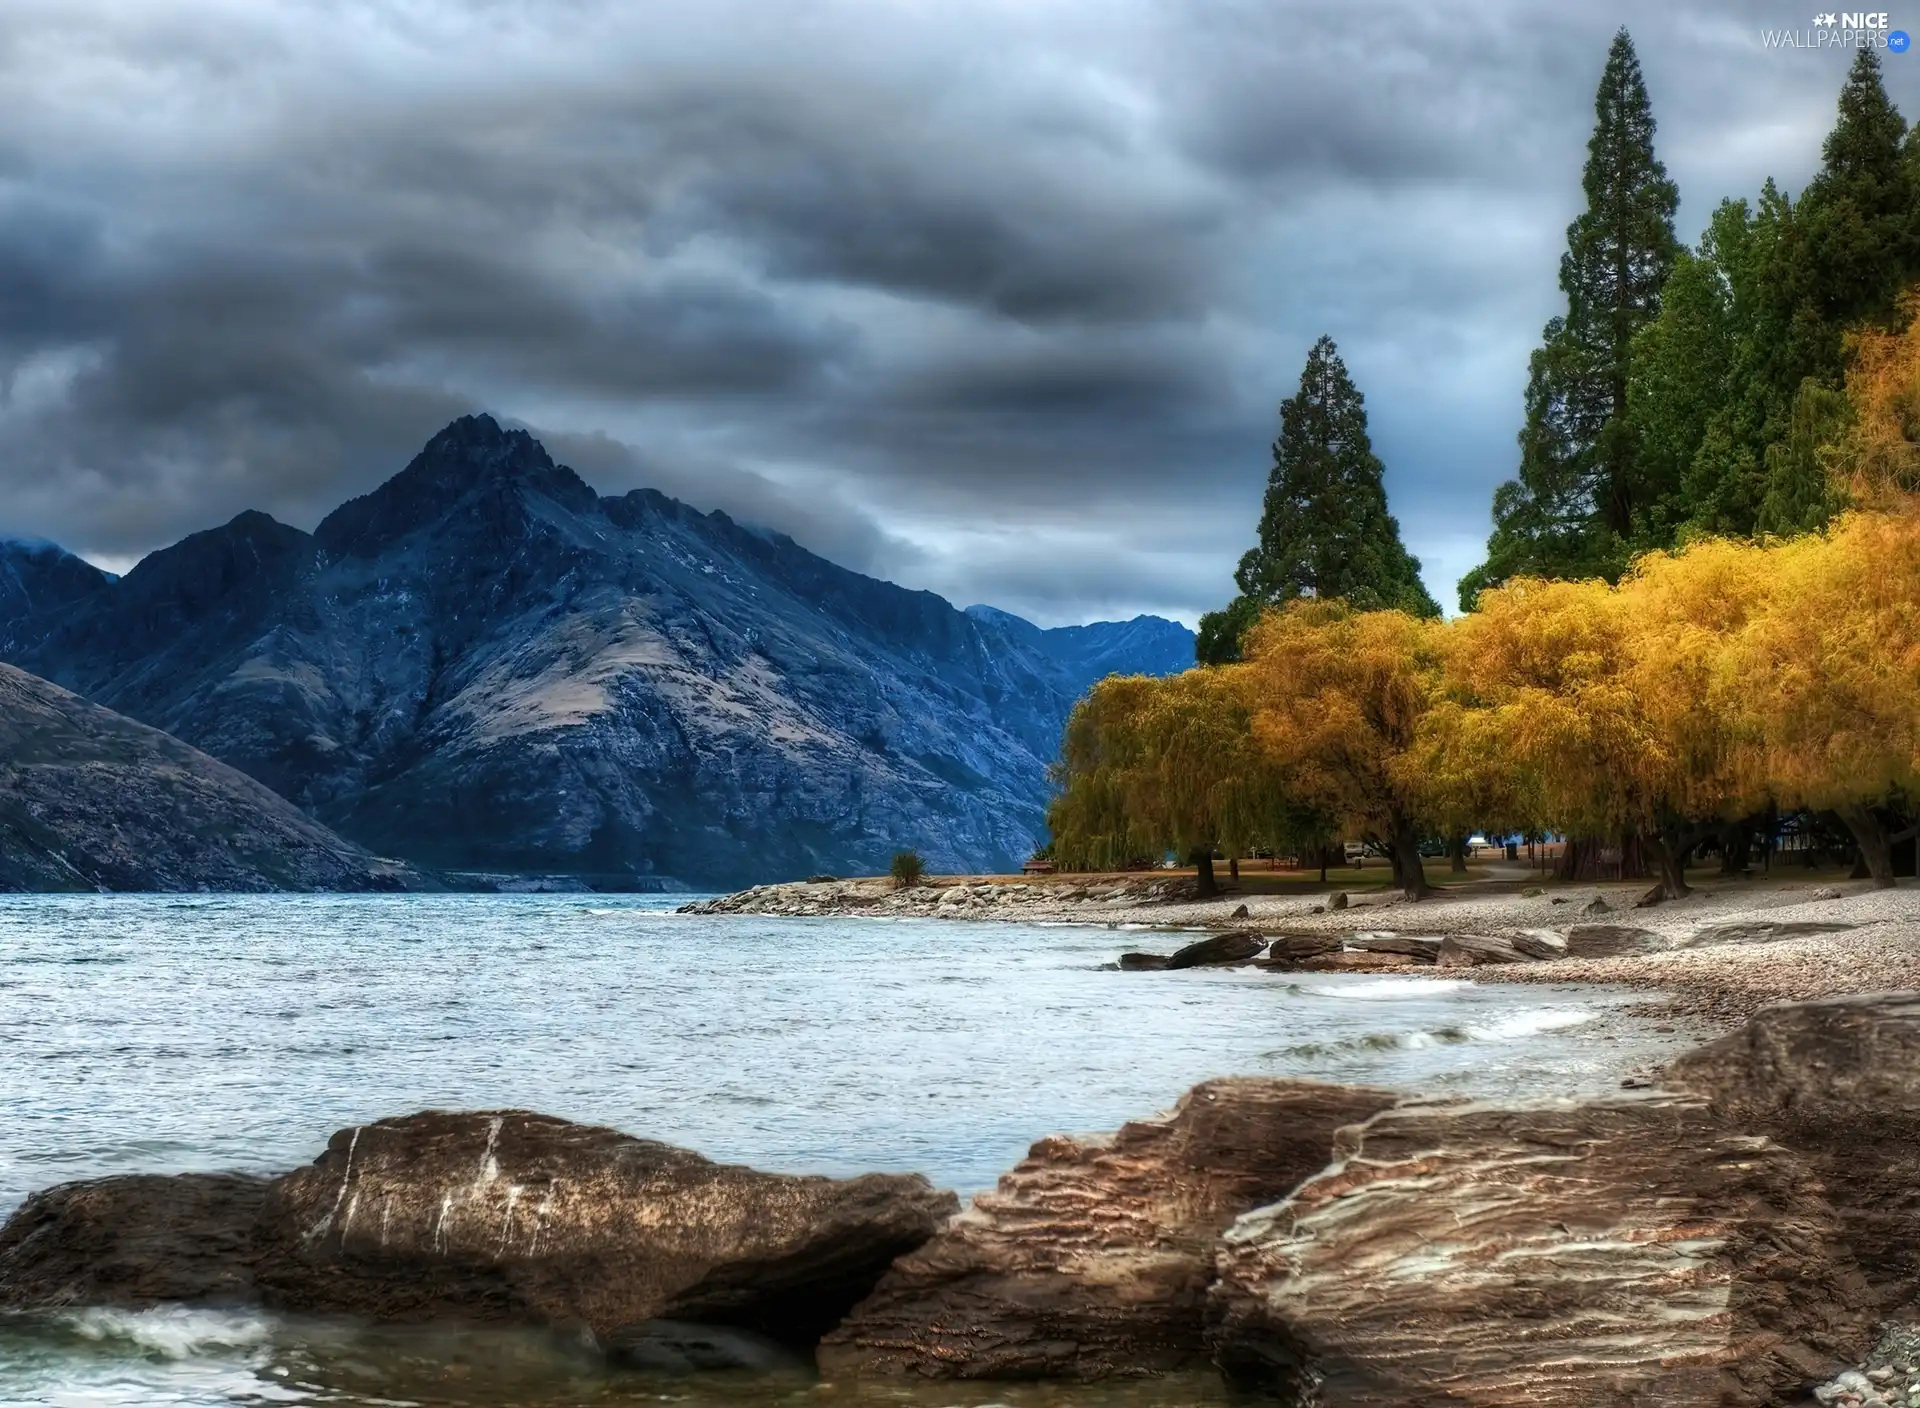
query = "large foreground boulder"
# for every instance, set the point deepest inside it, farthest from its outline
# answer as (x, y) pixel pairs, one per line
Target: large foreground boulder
(1839, 1081)
(133, 1240)
(512, 1215)
(1627, 1251)
(495, 1216)
(1093, 1257)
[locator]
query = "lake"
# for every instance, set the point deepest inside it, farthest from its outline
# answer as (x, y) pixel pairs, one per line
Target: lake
(164, 1033)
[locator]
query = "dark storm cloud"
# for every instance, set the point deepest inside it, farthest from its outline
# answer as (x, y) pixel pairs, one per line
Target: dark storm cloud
(992, 298)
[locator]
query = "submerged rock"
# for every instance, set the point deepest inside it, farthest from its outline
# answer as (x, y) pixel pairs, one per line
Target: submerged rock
(675, 1347)
(518, 1216)
(1628, 1250)
(1143, 962)
(133, 1240)
(1092, 1258)
(1839, 1081)
(1236, 947)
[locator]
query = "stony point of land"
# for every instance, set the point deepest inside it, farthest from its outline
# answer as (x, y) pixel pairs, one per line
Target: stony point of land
(1721, 953)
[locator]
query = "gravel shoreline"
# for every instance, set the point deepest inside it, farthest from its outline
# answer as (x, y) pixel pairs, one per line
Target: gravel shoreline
(1698, 972)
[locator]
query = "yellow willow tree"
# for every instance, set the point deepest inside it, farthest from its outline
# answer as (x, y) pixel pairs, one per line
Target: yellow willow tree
(1828, 678)
(1877, 460)
(1597, 709)
(1340, 697)
(1150, 765)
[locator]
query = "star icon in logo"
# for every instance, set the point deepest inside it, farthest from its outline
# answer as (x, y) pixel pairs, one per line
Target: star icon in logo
(1825, 21)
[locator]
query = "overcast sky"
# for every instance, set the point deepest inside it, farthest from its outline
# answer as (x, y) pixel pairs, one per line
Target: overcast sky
(997, 299)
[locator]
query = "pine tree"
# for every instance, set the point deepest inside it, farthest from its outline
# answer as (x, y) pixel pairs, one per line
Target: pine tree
(1324, 528)
(1854, 239)
(1573, 507)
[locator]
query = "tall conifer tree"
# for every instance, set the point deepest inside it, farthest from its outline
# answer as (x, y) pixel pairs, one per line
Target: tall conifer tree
(1572, 508)
(1324, 528)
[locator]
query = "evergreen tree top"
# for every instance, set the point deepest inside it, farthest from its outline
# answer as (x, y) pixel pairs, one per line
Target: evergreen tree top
(1621, 248)
(1324, 527)
(1862, 155)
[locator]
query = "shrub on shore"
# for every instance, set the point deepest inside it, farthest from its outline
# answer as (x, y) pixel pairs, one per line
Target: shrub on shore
(907, 869)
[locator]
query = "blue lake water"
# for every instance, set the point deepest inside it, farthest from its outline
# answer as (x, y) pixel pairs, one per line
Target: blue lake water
(162, 1033)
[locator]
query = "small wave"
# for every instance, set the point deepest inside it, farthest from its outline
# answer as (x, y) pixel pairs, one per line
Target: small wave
(1375, 1041)
(1390, 989)
(1524, 1024)
(174, 1332)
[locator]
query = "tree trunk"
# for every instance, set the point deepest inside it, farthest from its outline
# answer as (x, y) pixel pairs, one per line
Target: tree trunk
(1582, 858)
(1672, 852)
(1457, 851)
(1736, 848)
(1233, 868)
(1323, 849)
(1876, 847)
(1202, 858)
(1409, 873)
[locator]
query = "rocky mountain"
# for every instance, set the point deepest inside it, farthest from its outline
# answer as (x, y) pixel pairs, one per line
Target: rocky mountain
(90, 800)
(484, 664)
(41, 576)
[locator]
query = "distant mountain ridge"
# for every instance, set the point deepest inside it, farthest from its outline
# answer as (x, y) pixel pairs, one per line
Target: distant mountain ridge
(93, 801)
(485, 664)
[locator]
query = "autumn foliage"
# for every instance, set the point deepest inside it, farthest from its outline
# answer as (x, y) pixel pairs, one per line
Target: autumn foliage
(1712, 684)
(1707, 686)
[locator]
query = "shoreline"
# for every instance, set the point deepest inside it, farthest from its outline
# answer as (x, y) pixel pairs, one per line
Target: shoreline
(1733, 946)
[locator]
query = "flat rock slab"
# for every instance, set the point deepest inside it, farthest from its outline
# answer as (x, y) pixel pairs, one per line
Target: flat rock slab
(1356, 961)
(1612, 941)
(1761, 931)
(1477, 950)
(513, 1215)
(1093, 1257)
(1422, 948)
(1837, 1080)
(133, 1240)
(1626, 1251)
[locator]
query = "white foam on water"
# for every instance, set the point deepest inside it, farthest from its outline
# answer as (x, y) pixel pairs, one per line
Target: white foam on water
(1391, 989)
(175, 1331)
(1525, 1024)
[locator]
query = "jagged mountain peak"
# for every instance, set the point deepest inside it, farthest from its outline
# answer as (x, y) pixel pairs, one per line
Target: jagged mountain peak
(482, 663)
(473, 456)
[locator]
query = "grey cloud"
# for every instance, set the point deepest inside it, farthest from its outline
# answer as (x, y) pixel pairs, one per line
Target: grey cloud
(998, 301)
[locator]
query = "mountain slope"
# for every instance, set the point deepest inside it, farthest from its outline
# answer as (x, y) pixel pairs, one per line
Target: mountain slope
(39, 576)
(91, 800)
(483, 664)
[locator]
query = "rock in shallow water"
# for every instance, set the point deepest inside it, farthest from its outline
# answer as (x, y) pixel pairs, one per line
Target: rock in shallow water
(1622, 1251)
(1092, 1258)
(133, 1240)
(512, 1215)
(1236, 947)
(502, 1216)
